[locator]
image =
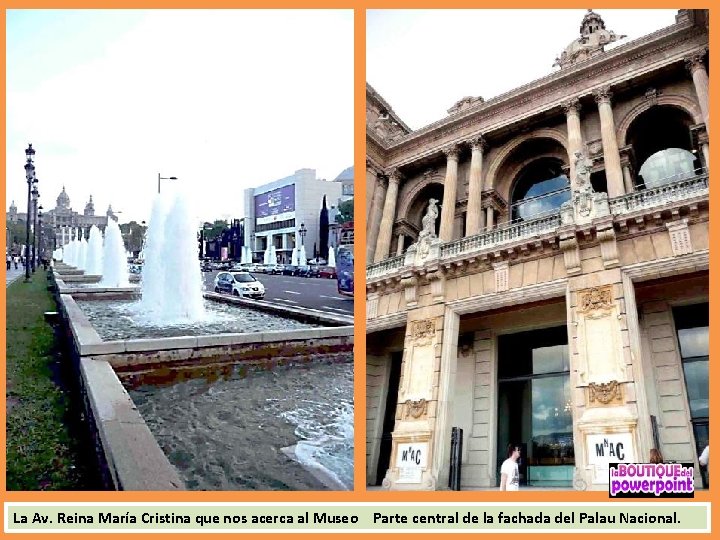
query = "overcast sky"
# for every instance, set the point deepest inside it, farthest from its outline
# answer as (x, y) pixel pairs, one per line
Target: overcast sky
(224, 100)
(424, 61)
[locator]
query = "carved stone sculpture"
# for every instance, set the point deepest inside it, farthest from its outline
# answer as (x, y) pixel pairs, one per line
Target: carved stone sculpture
(592, 41)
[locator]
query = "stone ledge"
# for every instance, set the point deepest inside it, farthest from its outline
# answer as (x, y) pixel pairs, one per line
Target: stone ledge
(132, 455)
(161, 344)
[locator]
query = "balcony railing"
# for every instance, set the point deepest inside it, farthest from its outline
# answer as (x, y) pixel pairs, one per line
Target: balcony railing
(384, 267)
(667, 193)
(503, 234)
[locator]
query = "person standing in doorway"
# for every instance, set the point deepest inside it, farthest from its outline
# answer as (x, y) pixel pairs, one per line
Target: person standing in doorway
(509, 471)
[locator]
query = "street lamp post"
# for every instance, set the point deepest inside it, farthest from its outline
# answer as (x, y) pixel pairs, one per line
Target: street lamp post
(30, 177)
(303, 232)
(164, 178)
(40, 235)
(36, 195)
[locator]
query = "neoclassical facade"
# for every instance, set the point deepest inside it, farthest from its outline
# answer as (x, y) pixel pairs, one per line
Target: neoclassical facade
(560, 299)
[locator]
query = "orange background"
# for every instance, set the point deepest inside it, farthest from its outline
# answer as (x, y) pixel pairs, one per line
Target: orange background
(360, 493)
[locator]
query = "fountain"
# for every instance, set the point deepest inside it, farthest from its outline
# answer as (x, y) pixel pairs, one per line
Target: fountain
(331, 257)
(179, 277)
(302, 256)
(294, 259)
(94, 259)
(115, 271)
(166, 343)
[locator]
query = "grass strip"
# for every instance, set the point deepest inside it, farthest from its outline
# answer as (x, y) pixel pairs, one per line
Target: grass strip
(40, 453)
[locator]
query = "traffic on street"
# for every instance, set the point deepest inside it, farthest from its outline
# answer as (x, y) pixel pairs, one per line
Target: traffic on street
(295, 291)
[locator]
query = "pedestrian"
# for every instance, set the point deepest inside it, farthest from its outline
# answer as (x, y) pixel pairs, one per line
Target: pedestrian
(704, 458)
(655, 456)
(16, 259)
(9, 260)
(509, 471)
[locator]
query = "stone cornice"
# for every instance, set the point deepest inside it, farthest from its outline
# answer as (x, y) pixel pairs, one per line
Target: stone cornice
(371, 93)
(527, 101)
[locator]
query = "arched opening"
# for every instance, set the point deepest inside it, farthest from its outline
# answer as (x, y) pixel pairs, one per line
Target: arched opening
(662, 142)
(414, 214)
(539, 188)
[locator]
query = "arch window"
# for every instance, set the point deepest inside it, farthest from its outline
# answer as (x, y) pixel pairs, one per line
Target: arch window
(666, 166)
(540, 188)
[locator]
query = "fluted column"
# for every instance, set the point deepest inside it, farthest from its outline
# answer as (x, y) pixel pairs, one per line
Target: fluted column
(611, 153)
(575, 142)
(382, 250)
(447, 216)
(373, 224)
(473, 225)
(696, 67)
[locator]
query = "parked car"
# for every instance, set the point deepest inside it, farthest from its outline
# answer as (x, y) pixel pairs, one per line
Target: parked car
(275, 268)
(205, 266)
(255, 267)
(239, 284)
(290, 270)
(327, 272)
(241, 267)
(307, 271)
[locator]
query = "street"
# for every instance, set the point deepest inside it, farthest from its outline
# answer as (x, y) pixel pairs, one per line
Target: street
(315, 293)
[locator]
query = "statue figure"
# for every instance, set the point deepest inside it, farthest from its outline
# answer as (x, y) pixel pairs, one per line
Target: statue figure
(593, 38)
(583, 164)
(428, 220)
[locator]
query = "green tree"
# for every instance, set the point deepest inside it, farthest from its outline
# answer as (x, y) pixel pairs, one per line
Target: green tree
(346, 211)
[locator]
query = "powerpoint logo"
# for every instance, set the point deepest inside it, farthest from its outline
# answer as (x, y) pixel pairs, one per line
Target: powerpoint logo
(651, 480)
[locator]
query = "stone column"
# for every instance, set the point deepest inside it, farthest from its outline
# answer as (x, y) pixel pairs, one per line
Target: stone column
(627, 178)
(373, 224)
(575, 143)
(447, 216)
(613, 171)
(473, 225)
(400, 244)
(370, 182)
(489, 224)
(696, 67)
(382, 249)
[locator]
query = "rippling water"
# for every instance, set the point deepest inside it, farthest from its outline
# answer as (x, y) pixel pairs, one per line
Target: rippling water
(286, 429)
(125, 319)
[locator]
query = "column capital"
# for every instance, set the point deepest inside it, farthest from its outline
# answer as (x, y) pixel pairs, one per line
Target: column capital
(451, 151)
(478, 142)
(394, 176)
(694, 61)
(602, 94)
(571, 106)
(372, 167)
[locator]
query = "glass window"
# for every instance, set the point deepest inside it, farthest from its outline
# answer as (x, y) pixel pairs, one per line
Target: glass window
(552, 429)
(541, 187)
(665, 166)
(693, 342)
(551, 359)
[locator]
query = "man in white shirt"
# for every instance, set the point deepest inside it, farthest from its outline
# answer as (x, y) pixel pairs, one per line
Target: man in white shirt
(509, 471)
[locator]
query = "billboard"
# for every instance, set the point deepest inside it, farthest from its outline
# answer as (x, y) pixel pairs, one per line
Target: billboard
(277, 201)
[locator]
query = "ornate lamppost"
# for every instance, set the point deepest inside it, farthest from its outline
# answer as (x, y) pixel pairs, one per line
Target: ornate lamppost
(36, 195)
(30, 177)
(41, 248)
(303, 232)
(164, 178)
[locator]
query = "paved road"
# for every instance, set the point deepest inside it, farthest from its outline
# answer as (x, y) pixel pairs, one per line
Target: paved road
(316, 293)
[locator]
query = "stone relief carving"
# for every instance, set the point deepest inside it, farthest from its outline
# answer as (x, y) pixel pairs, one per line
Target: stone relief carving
(605, 392)
(464, 103)
(422, 332)
(415, 409)
(595, 299)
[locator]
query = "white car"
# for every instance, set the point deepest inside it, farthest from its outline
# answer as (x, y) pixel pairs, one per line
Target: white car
(239, 284)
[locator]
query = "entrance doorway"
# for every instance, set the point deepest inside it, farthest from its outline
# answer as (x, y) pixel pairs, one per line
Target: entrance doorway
(389, 418)
(534, 405)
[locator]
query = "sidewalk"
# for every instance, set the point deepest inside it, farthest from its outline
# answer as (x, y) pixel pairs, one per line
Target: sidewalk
(13, 274)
